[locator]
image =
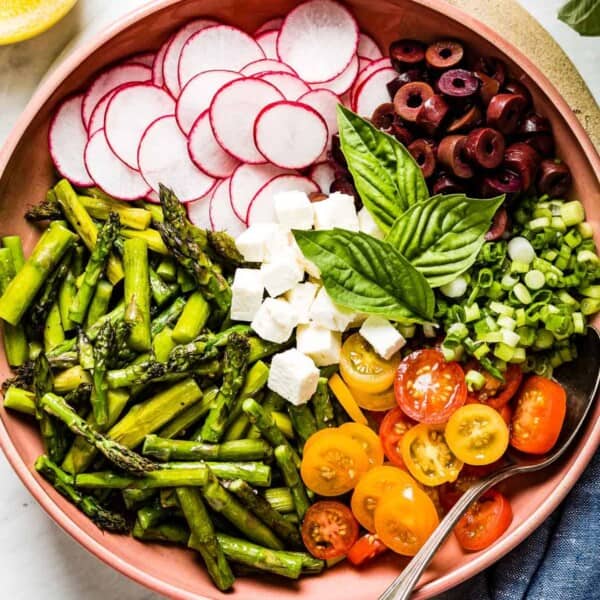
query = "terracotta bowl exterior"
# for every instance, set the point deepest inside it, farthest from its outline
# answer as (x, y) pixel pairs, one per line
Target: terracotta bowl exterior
(26, 173)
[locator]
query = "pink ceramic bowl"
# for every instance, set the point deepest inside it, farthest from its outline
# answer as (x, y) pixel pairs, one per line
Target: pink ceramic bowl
(26, 173)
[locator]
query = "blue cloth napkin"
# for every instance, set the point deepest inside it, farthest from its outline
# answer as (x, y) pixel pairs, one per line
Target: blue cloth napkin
(559, 561)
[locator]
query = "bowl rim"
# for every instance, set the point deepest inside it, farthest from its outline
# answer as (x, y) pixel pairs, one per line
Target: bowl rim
(452, 578)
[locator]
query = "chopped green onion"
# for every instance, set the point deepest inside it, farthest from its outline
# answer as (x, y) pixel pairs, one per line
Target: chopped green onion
(521, 293)
(504, 352)
(578, 322)
(491, 337)
(542, 210)
(481, 350)
(456, 288)
(586, 231)
(573, 238)
(526, 336)
(457, 331)
(471, 312)
(520, 250)
(520, 317)
(495, 291)
(539, 224)
(591, 291)
(572, 213)
(485, 325)
(508, 281)
(558, 224)
(506, 322)
(587, 256)
(543, 340)
(510, 338)
(502, 309)
(543, 265)
(566, 298)
(485, 278)
(552, 279)
(562, 262)
(549, 255)
(519, 267)
(534, 279)
(407, 331)
(429, 331)
(519, 356)
(474, 380)
(452, 354)
(589, 306)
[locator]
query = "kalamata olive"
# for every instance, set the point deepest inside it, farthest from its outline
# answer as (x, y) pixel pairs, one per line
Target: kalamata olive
(432, 114)
(512, 86)
(423, 152)
(451, 154)
(534, 123)
(524, 160)
(498, 226)
(492, 67)
(445, 184)
(406, 77)
(502, 181)
(345, 185)
(458, 83)
(336, 153)
(469, 119)
(554, 179)
(489, 87)
(384, 116)
(401, 132)
(444, 54)
(406, 53)
(504, 111)
(542, 142)
(485, 147)
(410, 97)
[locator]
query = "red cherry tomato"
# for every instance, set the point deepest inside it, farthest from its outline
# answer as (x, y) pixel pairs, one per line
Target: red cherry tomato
(450, 492)
(393, 427)
(494, 393)
(365, 549)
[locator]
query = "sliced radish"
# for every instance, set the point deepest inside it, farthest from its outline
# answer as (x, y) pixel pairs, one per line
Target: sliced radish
(97, 118)
(205, 151)
(363, 63)
(219, 47)
(289, 134)
(289, 85)
(108, 81)
(143, 58)
(152, 197)
(67, 139)
(164, 158)
(373, 92)
(343, 82)
(199, 212)
(171, 60)
(318, 40)
(371, 68)
(346, 99)
(367, 47)
(245, 183)
(275, 23)
(262, 209)
(110, 173)
(222, 217)
(233, 112)
(323, 174)
(325, 103)
(266, 65)
(267, 40)
(129, 113)
(197, 95)
(157, 66)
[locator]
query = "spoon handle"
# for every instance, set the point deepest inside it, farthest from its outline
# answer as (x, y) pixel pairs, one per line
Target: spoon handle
(402, 587)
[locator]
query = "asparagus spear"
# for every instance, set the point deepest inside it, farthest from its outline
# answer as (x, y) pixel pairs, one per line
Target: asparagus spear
(162, 344)
(168, 317)
(14, 244)
(280, 499)
(321, 401)
(167, 269)
(150, 236)
(205, 541)
(21, 400)
(22, 378)
(161, 292)
(66, 297)
(174, 533)
(192, 319)
(303, 421)
(130, 216)
(46, 210)
(105, 344)
(255, 473)
(137, 294)
(284, 458)
(168, 498)
(100, 301)
(15, 341)
(70, 379)
(150, 481)
(54, 334)
(153, 514)
(261, 349)
(223, 246)
(134, 498)
(63, 483)
(180, 424)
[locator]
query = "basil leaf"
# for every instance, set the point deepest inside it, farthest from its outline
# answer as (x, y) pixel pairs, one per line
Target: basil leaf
(582, 15)
(365, 274)
(386, 176)
(442, 236)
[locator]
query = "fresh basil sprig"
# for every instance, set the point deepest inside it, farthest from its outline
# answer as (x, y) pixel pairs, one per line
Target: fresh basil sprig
(582, 15)
(368, 275)
(442, 236)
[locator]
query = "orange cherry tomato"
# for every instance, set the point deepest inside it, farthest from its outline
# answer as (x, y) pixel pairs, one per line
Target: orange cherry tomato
(539, 415)
(428, 388)
(494, 393)
(367, 438)
(366, 548)
(375, 402)
(391, 431)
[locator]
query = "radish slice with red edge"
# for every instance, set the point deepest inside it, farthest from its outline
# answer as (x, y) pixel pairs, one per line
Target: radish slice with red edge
(67, 139)
(198, 94)
(110, 173)
(152, 197)
(323, 174)
(163, 158)
(199, 212)
(219, 47)
(97, 119)
(367, 47)
(130, 112)
(325, 103)
(111, 80)
(205, 151)
(267, 40)
(171, 60)
(343, 82)
(157, 67)
(262, 209)
(233, 112)
(245, 183)
(275, 23)
(143, 58)
(371, 68)
(373, 92)
(222, 217)
(266, 65)
(289, 85)
(318, 40)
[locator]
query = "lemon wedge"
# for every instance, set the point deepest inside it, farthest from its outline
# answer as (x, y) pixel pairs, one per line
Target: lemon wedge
(23, 19)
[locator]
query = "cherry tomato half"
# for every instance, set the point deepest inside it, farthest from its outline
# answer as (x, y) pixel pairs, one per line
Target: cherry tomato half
(365, 549)
(428, 388)
(494, 393)
(329, 529)
(367, 438)
(485, 521)
(391, 431)
(539, 415)
(375, 402)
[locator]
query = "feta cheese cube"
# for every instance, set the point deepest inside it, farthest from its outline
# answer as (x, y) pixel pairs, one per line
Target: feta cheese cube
(326, 313)
(322, 345)
(301, 297)
(382, 335)
(247, 292)
(275, 320)
(367, 224)
(336, 211)
(293, 376)
(253, 243)
(281, 240)
(294, 210)
(282, 273)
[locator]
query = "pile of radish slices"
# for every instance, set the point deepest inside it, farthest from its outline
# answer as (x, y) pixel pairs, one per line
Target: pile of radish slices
(223, 118)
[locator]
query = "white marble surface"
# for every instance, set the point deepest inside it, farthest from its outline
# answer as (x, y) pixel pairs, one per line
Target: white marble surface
(38, 558)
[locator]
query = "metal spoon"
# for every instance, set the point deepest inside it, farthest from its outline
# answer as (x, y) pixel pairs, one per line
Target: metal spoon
(581, 379)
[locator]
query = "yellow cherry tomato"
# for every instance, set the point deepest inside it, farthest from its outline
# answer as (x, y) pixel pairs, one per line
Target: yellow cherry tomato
(376, 402)
(363, 369)
(368, 439)
(428, 457)
(346, 399)
(477, 434)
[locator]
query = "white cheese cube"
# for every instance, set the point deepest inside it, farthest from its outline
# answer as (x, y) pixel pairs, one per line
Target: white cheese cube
(367, 224)
(254, 242)
(301, 297)
(336, 211)
(326, 313)
(275, 320)
(294, 210)
(293, 376)
(382, 335)
(322, 345)
(281, 240)
(282, 273)
(247, 292)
